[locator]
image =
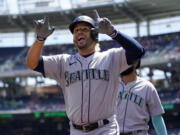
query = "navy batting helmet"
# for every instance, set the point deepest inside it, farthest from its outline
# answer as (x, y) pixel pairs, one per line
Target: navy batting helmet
(87, 20)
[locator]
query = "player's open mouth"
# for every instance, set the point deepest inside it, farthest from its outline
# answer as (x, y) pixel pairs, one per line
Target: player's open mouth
(81, 39)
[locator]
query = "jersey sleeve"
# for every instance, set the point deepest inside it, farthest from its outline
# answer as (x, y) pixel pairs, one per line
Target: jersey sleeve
(153, 101)
(134, 50)
(119, 59)
(40, 66)
(53, 66)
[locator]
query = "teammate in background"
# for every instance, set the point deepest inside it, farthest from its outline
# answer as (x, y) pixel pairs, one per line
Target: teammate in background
(138, 101)
(89, 79)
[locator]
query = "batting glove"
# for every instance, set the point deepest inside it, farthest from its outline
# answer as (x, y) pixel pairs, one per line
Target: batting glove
(43, 29)
(104, 26)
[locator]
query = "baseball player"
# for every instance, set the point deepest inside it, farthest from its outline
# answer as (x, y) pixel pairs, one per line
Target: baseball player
(89, 79)
(138, 101)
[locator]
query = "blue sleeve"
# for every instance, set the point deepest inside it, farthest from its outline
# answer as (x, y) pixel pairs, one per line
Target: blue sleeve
(134, 50)
(159, 125)
(40, 67)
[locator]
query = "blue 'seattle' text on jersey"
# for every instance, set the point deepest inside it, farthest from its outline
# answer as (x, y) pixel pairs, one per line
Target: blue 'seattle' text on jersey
(95, 74)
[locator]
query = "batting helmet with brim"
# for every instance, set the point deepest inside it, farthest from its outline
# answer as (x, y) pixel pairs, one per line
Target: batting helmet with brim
(85, 19)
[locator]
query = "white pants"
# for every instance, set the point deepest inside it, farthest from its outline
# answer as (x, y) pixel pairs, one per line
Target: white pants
(111, 128)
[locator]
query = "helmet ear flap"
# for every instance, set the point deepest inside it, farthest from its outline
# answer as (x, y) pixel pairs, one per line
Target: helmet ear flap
(94, 35)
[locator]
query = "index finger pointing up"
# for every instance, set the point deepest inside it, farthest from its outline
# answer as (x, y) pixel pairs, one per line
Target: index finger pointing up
(96, 15)
(46, 19)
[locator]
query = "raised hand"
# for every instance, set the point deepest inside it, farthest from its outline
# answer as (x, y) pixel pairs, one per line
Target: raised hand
(43, 29)
(103, 25)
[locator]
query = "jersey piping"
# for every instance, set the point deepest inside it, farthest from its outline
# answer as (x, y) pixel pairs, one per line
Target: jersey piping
(89, 92)
(126, 104)
(81, 92)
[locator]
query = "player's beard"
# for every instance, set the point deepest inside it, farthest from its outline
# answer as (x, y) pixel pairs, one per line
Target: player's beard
(84, 46)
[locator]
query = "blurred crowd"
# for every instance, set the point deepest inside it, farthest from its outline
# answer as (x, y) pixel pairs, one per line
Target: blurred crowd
(48, 103)
(173, 131)
(16, 55)
(169, 96)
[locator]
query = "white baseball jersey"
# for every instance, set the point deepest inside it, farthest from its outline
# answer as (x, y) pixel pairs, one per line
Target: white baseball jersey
(90, 85)
(138, 100)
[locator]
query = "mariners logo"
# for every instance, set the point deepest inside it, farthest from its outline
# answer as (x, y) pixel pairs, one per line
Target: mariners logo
(133, 97)
(95, 74)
